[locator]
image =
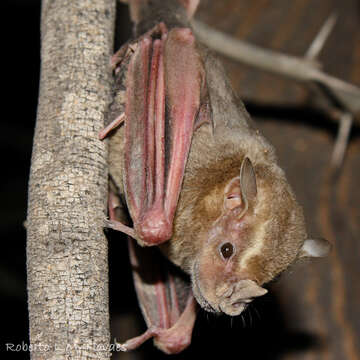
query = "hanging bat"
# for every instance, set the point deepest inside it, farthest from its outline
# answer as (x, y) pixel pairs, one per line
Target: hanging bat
(197, 179)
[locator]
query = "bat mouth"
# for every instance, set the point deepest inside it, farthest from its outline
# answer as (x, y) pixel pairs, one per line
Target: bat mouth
(225, 307)
(235, 309)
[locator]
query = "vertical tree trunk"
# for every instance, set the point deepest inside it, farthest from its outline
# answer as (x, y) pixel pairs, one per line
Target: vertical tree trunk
(66, 247)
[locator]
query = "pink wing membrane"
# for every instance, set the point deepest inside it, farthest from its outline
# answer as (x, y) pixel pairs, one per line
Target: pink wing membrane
(166, 70)
(166, 301)
(164, 294)
(163, 73)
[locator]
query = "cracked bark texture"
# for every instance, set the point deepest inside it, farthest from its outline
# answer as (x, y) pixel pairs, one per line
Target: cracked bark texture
(66, 248)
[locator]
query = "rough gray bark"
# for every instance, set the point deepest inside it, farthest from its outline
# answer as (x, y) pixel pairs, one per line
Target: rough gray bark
(66, 247)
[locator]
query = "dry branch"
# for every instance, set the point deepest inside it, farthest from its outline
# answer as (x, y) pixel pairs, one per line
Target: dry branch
(291, 67)
(66, 248)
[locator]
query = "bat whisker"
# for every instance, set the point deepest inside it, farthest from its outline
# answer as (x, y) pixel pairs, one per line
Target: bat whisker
(243, 320)
(251, 319)
(257, 312)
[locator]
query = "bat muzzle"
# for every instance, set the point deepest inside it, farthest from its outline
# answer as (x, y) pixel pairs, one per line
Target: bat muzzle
(231, 299)
(240, 295)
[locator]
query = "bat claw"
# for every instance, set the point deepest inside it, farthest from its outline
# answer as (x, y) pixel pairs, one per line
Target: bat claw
(108, 224)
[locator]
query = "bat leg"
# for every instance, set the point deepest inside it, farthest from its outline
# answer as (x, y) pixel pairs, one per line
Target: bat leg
(172, 340)
(116, 62)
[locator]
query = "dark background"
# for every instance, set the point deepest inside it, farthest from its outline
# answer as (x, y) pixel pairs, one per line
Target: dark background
(313, 312)
(20, 58)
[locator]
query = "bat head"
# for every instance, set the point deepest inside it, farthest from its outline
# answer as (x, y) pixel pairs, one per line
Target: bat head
(259, 233)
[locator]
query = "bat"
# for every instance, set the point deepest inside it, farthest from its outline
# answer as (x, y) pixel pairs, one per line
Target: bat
(200, 183)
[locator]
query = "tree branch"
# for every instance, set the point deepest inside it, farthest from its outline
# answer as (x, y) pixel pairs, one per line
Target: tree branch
(66, 248)
(292, 67)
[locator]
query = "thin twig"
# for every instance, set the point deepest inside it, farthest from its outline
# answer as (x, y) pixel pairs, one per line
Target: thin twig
(318, 43)
(299, 69)
(342, 139)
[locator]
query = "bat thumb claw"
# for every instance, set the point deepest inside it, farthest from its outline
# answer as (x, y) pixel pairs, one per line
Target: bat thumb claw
(108, 224)
(116, 225)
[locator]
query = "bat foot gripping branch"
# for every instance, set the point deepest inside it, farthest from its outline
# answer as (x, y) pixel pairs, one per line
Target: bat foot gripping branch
(170, 340)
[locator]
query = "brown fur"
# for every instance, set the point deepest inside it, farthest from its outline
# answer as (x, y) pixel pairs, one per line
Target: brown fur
(210, 167)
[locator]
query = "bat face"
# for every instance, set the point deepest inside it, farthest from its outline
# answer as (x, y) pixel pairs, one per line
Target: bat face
(221, 282)
(223, 279)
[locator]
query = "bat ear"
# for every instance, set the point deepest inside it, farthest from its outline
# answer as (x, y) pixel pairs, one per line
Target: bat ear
(315, 248)
(248, 180)
(241, 190)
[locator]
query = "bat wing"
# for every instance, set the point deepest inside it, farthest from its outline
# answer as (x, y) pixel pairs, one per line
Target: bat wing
(164, 85)
(165, 297)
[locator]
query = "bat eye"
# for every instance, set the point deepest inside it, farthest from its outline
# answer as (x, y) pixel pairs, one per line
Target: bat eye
(227, 250)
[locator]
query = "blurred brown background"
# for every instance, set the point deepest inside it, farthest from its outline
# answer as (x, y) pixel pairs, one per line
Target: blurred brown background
(313, 311)
(320, 300)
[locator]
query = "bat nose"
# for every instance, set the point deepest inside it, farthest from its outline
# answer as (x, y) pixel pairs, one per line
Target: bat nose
(154, 228)
(242, 293)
